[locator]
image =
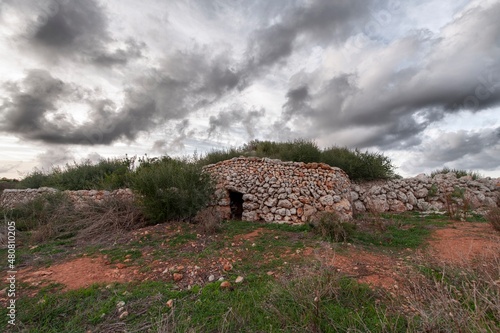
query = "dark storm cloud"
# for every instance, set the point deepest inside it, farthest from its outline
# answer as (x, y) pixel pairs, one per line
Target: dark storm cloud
(177, 143)
(319, 21)
(55, 156)
(297, 101)
(35, 108)
(418, 80)
(462, 149)
(66, 23)
(236, 116)
(73, 29)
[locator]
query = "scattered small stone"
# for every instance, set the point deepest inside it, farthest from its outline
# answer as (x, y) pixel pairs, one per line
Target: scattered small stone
(239, 279)
(120, 304)
(270, 273)
(178, 276)
(221, 278)
(211, 278)
(165, 271)
(124, 314)
(170, 303)
(120, 266)
(225, 285)
(228, 267)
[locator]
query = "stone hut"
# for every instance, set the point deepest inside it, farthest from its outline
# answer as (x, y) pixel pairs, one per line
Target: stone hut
(256, 189)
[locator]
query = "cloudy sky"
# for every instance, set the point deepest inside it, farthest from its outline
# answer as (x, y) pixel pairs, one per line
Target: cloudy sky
(89, 79)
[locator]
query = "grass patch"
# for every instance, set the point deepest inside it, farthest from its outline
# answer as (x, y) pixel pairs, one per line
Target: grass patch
(313, 303)
(181, 238)
(397, 231)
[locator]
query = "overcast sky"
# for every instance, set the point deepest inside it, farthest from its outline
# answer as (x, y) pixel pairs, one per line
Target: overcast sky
(416, 80)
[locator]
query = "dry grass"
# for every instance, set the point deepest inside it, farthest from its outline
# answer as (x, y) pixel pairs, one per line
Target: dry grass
(208, 221)
(493, 217)
(450, 299)
(54, 216)
(111, 217)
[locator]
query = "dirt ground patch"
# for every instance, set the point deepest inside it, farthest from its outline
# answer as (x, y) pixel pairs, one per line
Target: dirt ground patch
(464, 243)
(78, 273)
(251, 235)
(375, 269)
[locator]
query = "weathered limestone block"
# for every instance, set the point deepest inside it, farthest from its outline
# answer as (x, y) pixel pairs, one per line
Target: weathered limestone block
(397, 206)
(285, 204)
(359, 206)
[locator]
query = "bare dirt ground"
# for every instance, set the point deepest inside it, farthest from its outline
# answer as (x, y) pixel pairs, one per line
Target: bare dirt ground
(462, 243)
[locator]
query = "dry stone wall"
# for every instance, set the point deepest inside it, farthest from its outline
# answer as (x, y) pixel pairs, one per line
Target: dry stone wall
(425, 193)
(291, 192)
(12, 197)
(276, 191)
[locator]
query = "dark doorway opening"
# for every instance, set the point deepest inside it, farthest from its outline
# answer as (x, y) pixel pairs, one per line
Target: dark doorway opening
(236, 204)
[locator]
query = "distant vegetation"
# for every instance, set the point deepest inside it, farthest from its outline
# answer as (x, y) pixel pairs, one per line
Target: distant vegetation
(358, 165)
(109, 174)
(459, 173)
(6, 183)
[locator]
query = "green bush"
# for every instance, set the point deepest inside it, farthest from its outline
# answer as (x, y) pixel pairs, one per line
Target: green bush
(359, 165)
(169, 189)
(220, 155)
(35, 179)
(6, 183)
(107, 174)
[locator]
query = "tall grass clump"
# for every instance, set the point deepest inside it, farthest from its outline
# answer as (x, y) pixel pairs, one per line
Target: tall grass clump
(321, 300)
(456, 299)
(330, 226)
(169, 189)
